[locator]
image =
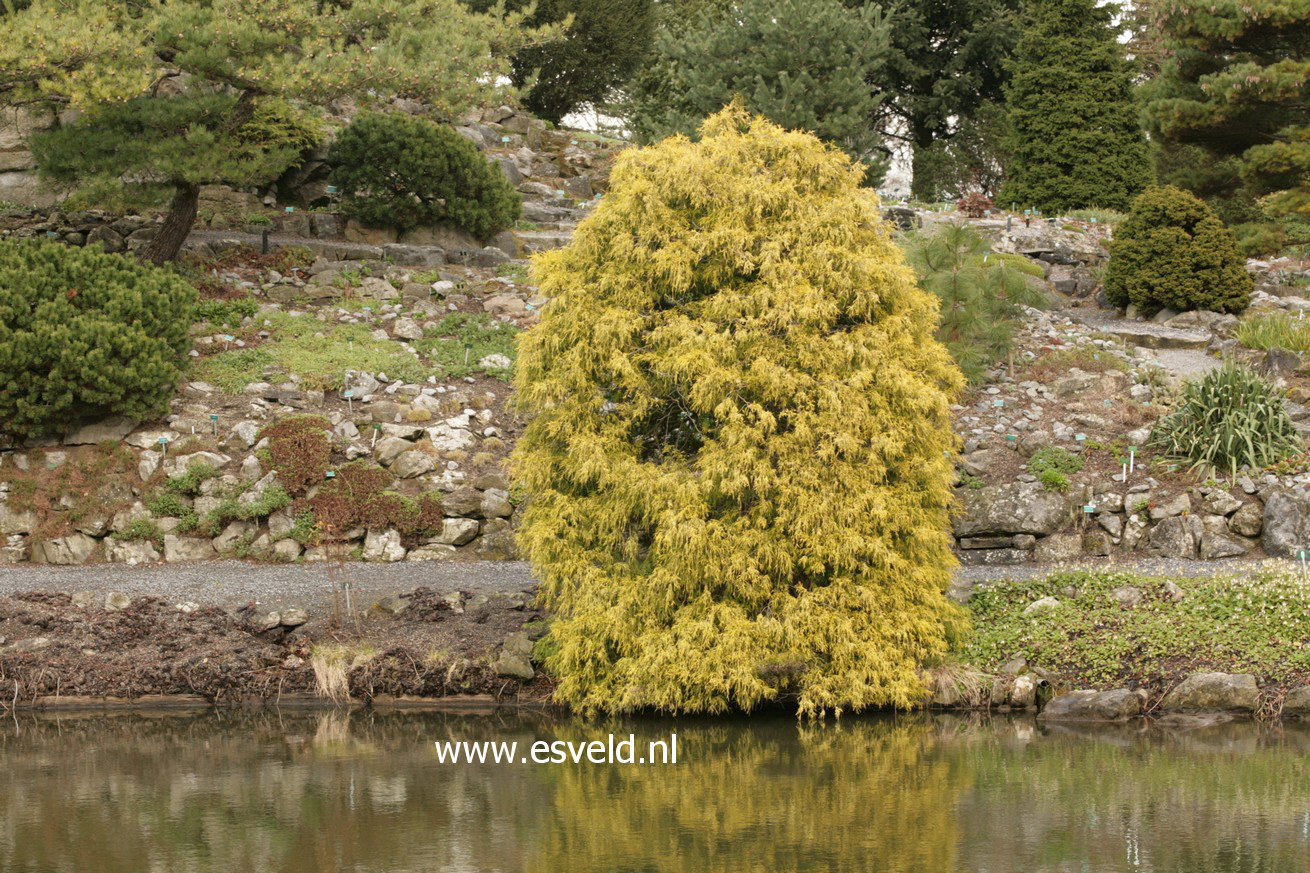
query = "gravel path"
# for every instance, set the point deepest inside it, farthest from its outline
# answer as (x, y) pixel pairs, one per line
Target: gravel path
(1153, 566)
(232, 583)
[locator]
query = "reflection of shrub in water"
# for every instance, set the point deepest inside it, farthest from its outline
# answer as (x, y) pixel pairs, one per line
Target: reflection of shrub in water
(856, 795)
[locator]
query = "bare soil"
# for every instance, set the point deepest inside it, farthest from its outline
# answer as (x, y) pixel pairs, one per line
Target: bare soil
(54, 648)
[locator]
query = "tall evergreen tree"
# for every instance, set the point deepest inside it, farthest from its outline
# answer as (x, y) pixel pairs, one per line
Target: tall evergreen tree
(170, 93)
(1235, 85)
(946, 61)
(803, 64)
(1075, 140)
(605, 42)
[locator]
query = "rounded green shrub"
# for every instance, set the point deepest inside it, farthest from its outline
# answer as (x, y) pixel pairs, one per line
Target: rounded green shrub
(1227, 420)
(1173, 252)
(402, 171)
(86, 335)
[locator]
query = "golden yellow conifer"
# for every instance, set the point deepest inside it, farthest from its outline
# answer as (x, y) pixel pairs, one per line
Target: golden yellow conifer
(738, 459)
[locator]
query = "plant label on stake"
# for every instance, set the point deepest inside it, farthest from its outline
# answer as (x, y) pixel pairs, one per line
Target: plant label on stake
(376, 428)
(1132, 457)
(214, 420)
(350, 403)
(1303, 555)
(163, 445)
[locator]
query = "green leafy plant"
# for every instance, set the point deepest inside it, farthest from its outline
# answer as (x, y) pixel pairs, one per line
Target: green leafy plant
(1248, 622)
(1054, 458)
(1053, 466)
(1229, 419)
(140, 529)
(188, 483)
(1274, 331)
(86, 335)
(402, 171)
(235, 509)
(319, 353)
(1173, 251)
(1053, 480)
(226, 312)
(459, 342)
(982, 295)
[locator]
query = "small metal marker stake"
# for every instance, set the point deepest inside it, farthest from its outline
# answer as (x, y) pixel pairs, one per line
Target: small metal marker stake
(376, 429)
(1080, 436)
(1132, 458)
(163, 445)
(504, 139)
(468, 347)
(291, 209)
(1303, 555)
(214, 420)
(52, 234)
(350, 402)
(227, 341)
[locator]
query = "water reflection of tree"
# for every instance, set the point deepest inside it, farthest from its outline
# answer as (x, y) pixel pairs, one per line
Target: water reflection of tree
(768, 797)
(317, 793)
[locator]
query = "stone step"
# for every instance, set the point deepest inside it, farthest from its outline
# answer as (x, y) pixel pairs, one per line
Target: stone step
(1154, 336)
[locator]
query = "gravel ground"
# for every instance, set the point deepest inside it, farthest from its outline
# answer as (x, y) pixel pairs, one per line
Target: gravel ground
(230, 583)
(1153, 566)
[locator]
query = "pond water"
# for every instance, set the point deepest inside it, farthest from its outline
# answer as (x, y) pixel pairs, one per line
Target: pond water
(326, 792)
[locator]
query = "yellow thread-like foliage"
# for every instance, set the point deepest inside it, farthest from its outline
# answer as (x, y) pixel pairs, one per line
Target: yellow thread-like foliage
(738, 460)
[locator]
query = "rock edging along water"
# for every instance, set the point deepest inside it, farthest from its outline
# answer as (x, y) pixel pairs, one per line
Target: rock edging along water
(425, 648)
(1200, 698)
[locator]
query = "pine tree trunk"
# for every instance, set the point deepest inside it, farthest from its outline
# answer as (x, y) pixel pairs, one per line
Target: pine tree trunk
(177, 225)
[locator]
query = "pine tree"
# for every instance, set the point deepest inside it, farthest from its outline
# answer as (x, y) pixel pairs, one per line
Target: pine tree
(982, 294)
(170, 93)
(946, 63)
(738, 457)
(1234, 83)
(603, 46)
(803, 64)
(85, 335)
(1075, 140)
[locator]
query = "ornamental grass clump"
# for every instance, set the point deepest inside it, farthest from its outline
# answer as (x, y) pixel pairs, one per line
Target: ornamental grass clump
(86, 335)
(738, 461)
(1230, 419)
